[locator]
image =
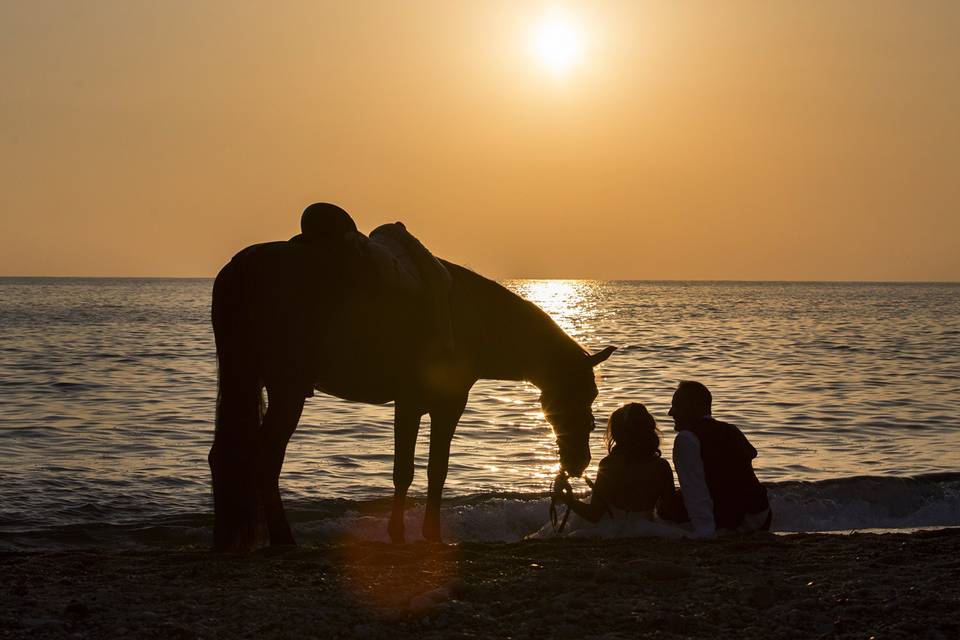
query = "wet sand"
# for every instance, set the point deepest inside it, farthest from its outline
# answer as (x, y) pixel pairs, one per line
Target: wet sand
(900, 585)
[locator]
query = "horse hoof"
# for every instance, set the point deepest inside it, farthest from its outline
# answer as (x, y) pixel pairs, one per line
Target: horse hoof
(282, 537)
(242, 539)
(432, 534)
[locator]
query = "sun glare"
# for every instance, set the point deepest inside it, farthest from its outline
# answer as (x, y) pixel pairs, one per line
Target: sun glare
(557, 42)
(562, 299)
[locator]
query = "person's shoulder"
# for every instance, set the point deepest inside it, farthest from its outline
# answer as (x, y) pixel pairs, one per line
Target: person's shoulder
(728, 428)
(686, 446)
(732, 434)
(720, 424)
(608, 462)
(685, 436)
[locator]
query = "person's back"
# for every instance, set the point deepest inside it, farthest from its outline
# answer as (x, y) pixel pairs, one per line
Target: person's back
(633, 481)
(727, 458)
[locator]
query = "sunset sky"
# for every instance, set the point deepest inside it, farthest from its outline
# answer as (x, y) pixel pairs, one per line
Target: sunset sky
(606, 139)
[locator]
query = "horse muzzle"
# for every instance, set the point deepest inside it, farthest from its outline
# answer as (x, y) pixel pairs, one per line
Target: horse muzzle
(574, 458)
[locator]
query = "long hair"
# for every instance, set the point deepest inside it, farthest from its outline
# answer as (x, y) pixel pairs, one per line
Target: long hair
(631, 427)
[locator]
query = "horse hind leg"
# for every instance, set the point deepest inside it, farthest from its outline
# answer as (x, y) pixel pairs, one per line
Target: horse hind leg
(238, 419)
(284, 407)
(239, 416)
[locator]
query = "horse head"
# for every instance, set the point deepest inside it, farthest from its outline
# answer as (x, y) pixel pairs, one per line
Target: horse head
(568, 406)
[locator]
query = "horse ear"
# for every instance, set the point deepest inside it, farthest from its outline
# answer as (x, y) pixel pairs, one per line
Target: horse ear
(600, 356)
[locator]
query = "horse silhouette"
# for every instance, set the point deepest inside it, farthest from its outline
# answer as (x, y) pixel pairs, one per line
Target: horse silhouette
(317, 313)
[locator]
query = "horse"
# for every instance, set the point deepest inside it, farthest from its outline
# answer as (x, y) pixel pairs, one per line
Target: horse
(291, 318)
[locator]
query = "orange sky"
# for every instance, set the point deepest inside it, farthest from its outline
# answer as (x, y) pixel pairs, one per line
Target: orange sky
(707, 140)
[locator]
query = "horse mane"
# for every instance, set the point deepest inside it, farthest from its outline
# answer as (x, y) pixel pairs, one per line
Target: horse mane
(524, 327)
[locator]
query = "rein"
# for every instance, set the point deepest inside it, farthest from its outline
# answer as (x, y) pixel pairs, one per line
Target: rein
(562, 480)
(557, 486)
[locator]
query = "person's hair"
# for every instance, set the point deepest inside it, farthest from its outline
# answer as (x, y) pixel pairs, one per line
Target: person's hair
(698, 394)
(633, 428)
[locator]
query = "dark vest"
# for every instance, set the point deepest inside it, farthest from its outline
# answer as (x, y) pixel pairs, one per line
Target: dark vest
(727, 465)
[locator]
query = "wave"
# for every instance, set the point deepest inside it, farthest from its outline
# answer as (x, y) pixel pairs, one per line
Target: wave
(836, 505)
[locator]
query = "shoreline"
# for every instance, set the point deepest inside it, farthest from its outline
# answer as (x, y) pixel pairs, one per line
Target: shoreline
(854, 585)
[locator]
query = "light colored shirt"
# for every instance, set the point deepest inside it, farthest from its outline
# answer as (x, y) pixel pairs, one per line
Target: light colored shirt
(693, 483)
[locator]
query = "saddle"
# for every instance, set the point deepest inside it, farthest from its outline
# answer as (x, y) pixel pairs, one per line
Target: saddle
(390, 261)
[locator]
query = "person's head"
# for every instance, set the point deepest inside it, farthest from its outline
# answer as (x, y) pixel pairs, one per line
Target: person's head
(691, 402)
(634, 429)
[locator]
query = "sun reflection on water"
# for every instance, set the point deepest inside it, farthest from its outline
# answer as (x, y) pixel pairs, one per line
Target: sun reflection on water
(568, 302)
(573, 305)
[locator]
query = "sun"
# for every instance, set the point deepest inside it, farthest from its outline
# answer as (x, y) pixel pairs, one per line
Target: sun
(557, 41)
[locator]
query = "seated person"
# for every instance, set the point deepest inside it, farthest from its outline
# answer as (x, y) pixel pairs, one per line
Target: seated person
(714, 463)
(632, 477)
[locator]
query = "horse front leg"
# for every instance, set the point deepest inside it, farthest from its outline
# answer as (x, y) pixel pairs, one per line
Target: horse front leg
(443, 422)
(406, 426)
(283, 413)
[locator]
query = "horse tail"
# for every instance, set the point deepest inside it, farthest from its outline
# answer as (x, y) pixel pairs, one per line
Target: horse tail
(239, 414)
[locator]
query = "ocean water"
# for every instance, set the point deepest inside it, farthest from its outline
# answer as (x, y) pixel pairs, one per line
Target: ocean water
(850, 392)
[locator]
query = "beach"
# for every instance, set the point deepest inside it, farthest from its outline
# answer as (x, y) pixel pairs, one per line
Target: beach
(365, 276)
(862, 585)
(848, 392)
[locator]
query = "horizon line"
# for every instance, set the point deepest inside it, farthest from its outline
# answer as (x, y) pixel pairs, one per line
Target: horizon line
(771, 280)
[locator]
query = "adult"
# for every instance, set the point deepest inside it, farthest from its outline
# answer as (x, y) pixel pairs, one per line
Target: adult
(632, 477)
(714, 463)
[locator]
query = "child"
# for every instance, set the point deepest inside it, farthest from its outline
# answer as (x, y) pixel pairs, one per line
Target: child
(632, 477)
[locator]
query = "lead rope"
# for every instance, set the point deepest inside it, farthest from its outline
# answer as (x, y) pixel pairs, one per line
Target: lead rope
(556, 488)
(558, 526)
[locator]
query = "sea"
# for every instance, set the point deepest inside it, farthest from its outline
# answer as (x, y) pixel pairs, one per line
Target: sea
(849, 391)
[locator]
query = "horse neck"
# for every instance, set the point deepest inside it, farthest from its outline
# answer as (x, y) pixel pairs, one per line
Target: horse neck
(507, 337)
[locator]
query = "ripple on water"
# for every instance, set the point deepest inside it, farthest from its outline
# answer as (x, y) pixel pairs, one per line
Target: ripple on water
(108, 390)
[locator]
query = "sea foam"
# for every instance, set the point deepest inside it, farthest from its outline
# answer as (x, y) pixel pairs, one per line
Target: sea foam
(839, 505)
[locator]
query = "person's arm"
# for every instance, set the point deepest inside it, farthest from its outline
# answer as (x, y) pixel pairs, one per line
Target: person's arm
(693, 484)
(591, 511)
(597, 507)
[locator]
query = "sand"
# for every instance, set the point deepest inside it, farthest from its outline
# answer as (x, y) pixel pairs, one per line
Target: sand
(899, 585)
